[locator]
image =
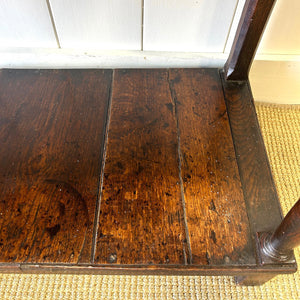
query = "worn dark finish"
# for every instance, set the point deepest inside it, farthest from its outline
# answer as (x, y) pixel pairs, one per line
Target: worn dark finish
(262, 202)
(52, 125)
(279, 245)
(215, 207)
(253, 20)
(134, 172)
(141, 219)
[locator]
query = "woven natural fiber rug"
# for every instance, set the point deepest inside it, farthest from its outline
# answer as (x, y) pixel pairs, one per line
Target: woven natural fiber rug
(281, 130)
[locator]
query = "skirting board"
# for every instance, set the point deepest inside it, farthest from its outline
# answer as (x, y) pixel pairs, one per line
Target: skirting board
(31, 58)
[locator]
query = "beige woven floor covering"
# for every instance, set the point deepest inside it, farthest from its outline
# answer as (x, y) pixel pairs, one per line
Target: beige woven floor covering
(281, 130)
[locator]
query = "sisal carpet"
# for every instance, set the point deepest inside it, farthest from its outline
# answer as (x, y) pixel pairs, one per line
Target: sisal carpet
(281, 130)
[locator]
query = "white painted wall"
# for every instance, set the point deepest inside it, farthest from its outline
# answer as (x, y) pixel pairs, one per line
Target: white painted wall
(203, 29)
(276, 81)
(282, 35)
(25, 24)
(188, 26)
(98, 24)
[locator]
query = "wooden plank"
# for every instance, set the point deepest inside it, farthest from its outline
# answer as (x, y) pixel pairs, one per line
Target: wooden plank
(259, 189)
(93, 24)
(52, 127)
(25, 24)
(253, 20)
(215, 208)
(193, 26)
(141, 219)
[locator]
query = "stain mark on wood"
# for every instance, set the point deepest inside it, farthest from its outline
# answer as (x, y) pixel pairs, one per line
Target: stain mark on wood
(213, 236)
(52, 231)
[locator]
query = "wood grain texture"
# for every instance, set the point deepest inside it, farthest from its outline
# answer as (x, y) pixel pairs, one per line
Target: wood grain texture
(215, 207)
(253, 20)
(51, 132)
(93, 24)
(141, 219)
(177, 190)
(259, 189)
(25, 24)
(193, 26)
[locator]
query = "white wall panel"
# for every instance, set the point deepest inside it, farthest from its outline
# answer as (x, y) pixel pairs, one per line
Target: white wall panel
(98, 24)
(25, 24)
(234, 25)
(190, 25)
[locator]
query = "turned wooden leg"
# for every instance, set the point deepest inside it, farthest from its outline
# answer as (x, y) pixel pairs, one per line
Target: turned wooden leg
(276, 247)
(279, 245)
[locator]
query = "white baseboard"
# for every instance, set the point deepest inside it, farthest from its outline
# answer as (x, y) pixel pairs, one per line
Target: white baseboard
(64, 58)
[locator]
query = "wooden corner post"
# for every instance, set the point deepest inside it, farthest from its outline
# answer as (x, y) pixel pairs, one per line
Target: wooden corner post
(251, 26)
(278, 246)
